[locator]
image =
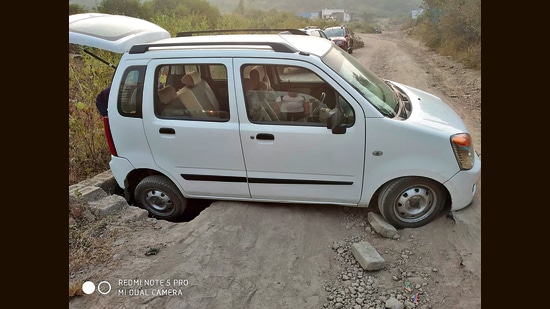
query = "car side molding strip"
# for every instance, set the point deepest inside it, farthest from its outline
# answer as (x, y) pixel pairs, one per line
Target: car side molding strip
(194, 177)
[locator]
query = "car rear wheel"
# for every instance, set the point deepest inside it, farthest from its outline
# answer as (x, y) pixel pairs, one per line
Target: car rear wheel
(411, 201)
(160, 197)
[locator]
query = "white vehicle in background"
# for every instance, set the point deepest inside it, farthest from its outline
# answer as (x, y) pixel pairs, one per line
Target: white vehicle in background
(195, 116)
(314, 31)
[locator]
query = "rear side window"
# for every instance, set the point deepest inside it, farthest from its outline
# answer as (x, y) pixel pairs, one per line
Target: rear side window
(192, 92)
(218, 72)
(131, 92)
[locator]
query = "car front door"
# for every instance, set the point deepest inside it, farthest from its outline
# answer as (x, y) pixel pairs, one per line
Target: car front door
(302, 161)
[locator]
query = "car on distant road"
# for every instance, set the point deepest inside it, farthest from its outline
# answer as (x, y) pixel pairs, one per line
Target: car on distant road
(342, 36)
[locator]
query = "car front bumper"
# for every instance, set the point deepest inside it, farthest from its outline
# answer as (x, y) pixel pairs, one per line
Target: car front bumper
(462, 186)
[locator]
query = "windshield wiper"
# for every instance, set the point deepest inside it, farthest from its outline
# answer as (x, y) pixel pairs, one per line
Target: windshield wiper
(396, 92)
(403, 102)
(396, 96)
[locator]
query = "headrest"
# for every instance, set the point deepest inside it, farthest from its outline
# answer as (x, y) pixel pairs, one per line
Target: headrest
(191, 79)
(254, 78)
(176, 69)
(247, 84)
(263, 86)
(259, 78)
(167, 94)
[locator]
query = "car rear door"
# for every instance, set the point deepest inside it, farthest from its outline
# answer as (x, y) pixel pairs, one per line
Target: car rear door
(203, 155)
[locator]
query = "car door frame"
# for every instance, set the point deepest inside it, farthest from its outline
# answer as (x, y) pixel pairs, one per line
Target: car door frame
(204, 157)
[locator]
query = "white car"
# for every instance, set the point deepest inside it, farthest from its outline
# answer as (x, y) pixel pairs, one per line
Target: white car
(196, 116)
(314, 31)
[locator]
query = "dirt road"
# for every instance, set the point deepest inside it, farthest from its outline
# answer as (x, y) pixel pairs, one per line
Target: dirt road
(246, 255)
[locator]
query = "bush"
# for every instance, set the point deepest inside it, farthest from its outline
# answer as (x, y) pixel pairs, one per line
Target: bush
(452, 28)
(88, 150)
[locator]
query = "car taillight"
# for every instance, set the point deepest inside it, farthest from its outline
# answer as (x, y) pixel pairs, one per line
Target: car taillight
(108, 135)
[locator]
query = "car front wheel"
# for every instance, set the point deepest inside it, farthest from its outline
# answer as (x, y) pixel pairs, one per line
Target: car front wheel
(411, 201)
(160, 197)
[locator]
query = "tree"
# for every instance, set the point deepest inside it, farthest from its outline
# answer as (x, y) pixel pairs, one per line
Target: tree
(76, 9)
(132, 8)
(240, 7)
(165, 6)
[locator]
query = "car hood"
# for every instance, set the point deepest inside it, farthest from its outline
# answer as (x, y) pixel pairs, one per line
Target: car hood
(430, 110)
(115, 33)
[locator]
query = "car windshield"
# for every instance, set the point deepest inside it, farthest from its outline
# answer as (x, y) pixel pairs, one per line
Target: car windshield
(334, 32)
(370, 86)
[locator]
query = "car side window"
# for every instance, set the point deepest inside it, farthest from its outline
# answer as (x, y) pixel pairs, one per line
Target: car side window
(185, 91)
(289, 95)
(131, 92)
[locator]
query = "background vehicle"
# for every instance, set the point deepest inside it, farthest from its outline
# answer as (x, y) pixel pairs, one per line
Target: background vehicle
(314, 31)
(342, 36)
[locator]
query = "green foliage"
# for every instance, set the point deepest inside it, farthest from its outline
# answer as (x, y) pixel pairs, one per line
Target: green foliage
(199, 11)
(88, 150)
(388, 8)
(452, 27)
(382, 8)
(274, 19)
(240, 7)
(132, 8)
(76, 9)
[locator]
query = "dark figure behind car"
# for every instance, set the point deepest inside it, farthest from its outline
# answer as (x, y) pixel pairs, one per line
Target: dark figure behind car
(101, 101)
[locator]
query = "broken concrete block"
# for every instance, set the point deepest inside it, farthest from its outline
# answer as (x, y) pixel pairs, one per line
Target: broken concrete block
(381, 226)
(367, 256)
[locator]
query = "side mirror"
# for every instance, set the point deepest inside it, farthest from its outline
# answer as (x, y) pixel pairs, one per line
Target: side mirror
(334, 121)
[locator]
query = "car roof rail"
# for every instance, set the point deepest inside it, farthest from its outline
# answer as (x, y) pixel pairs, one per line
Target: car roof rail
(276, 46)
(240, 31)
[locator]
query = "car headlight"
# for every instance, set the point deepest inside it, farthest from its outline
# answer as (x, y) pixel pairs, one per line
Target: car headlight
(463, 150)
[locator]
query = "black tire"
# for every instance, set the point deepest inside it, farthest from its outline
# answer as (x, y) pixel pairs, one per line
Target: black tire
(160, 197)
(411, 201)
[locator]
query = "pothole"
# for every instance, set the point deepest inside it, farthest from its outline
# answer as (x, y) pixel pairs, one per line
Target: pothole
(103, 186)
(194, 208)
